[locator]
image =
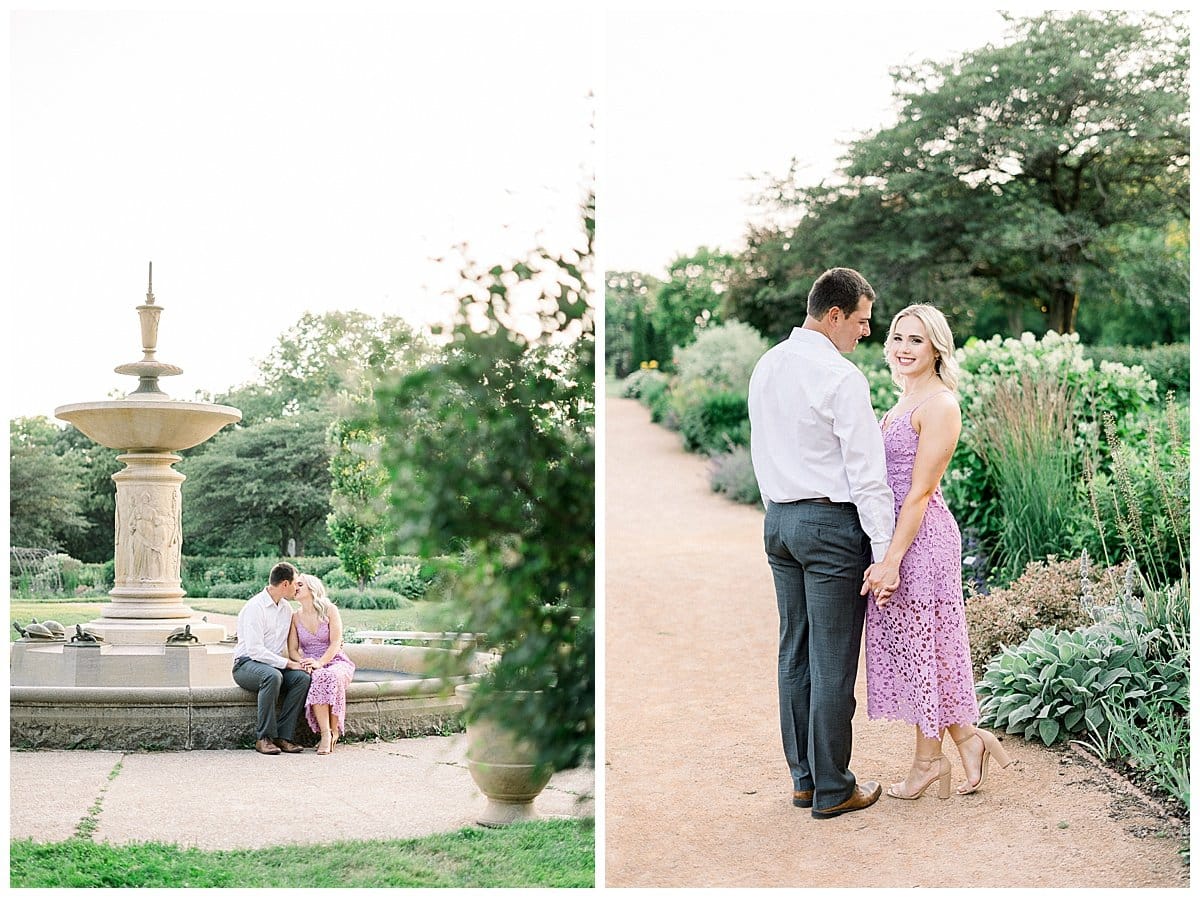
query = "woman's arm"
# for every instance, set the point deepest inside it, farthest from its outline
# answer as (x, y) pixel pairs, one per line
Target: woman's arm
(938, 428)
(293, 647)
(335, 637)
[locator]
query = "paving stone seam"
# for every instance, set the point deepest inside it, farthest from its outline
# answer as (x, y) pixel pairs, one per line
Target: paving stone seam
(90, 822)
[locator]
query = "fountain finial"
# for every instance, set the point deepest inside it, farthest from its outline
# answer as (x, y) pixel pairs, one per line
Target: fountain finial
(149, 369)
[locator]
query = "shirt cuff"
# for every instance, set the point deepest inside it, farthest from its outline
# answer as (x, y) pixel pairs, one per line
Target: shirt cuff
(878, 550)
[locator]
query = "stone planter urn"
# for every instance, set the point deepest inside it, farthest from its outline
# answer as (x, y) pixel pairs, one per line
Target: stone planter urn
(502, 765)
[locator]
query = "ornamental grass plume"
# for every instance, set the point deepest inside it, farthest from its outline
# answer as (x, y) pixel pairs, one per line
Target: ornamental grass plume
(1023, 429)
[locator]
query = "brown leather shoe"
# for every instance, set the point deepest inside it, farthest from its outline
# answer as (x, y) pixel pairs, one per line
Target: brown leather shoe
(863, 796)
(290, 747)
(266, 747)
(802, 798)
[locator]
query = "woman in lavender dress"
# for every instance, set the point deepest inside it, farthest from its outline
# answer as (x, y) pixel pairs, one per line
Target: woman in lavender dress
(918, 658)
(316, 640)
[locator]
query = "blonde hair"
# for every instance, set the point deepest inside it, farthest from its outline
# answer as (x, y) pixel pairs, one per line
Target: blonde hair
(945, 366)
(321, 601)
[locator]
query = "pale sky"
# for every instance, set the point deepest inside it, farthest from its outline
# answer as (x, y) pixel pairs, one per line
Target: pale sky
(696, 101)
(274, 162)
(271, 163)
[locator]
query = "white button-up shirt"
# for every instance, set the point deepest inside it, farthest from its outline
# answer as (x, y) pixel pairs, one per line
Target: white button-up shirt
(813, 433)
(262, 630)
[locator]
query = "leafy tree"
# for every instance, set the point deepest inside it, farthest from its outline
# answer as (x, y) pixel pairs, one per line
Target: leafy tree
(629, 338)
(1007, 180)
(321, 358)
(95, 465)
(45, 502)
(260, 487)
(690, 299)
(358, 521)
(493, 448)
(1144, 297)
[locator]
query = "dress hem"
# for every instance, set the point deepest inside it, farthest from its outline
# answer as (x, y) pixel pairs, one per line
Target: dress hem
(917, 723)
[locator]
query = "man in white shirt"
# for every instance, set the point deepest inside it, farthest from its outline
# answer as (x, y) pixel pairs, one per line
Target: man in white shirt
(818, 457)
(261, 664)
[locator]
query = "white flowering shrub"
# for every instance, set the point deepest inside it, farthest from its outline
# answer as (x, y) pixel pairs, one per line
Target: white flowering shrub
(1110, 386)
(1125, 392)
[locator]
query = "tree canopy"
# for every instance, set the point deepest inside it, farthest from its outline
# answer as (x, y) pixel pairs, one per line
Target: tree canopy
(1011, 181)
(46, 502)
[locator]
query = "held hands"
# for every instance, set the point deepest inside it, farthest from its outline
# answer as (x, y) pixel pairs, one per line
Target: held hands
(881, 579)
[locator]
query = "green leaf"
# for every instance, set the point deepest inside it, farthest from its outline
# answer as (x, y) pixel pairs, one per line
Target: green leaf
(1048, 731)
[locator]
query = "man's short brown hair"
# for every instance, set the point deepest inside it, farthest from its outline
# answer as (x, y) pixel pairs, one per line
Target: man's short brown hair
(841, 287)
(284, 572)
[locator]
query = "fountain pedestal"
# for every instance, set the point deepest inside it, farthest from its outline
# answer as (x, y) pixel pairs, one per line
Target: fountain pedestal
(147, 594)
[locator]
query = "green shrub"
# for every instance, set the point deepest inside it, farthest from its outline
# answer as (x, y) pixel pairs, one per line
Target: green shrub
(1169, 365)
(715, 422)
(404, 579)
(368, 600)
(720, 361)
(662, 409)
(317, 565)
(1056, 685)
(242, 590)
(338, 579)
(1048, 594)
(96, 576)
(652, 390)
(201, 572)
(636, 385)
(732, 474)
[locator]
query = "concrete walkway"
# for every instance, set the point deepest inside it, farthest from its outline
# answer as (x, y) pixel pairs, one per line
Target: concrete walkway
(241, 799)
(696, 789)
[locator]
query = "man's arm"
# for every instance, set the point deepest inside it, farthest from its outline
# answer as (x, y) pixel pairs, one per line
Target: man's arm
(858, 433)
(255, 625)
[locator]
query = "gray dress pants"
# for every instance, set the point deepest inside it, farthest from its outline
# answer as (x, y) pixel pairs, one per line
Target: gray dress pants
(818, 553)
(268, 683)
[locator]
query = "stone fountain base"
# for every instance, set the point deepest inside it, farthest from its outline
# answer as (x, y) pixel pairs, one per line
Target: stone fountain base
(115, 631)
(396, 693)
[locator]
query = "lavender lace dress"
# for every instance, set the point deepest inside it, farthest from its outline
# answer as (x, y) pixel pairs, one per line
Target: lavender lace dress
(329, 682)
(918, 658)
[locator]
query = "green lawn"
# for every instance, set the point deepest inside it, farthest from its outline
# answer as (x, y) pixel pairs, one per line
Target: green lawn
(67, 613)
(546, 853)
(419, 616)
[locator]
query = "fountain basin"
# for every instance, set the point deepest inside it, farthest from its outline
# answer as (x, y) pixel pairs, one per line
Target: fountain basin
(213, 712)
(143, 425)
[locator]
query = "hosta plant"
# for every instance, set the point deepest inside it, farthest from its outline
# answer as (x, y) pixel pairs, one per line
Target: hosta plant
(1056, 685)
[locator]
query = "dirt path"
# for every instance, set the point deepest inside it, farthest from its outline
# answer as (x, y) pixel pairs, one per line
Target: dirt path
(696, 789)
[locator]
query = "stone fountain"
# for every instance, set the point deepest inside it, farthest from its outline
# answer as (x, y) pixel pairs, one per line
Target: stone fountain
(150, 671)
(151, 427)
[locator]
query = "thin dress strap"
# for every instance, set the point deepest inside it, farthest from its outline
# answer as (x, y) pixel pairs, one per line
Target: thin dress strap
(886, 423)
(927, 398)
